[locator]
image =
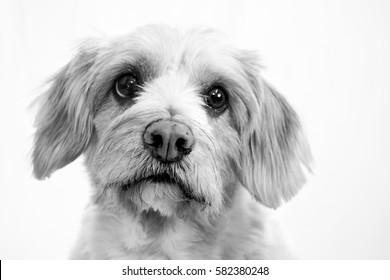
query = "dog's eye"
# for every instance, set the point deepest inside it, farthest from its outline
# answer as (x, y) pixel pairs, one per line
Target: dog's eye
(216, 98)
(126, 85)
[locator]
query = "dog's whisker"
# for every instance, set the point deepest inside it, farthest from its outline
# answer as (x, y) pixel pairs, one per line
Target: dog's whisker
(205, 134)
(226, 197)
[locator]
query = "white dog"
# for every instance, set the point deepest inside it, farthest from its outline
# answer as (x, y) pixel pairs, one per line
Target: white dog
(179, 133)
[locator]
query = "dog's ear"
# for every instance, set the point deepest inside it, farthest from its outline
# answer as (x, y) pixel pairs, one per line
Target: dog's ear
(275, 152)
(64, 120)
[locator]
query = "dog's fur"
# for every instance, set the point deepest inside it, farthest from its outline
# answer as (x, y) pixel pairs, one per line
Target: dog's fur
(254, 149)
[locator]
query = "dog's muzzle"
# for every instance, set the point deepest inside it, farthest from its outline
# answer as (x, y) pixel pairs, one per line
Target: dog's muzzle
(168, 140)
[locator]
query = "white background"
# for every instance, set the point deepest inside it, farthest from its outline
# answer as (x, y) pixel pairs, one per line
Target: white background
(331, 59)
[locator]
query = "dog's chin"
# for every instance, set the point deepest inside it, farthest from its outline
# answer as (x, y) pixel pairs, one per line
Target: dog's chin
(165, 195)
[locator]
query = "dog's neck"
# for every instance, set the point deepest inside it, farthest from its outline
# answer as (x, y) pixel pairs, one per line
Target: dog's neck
(149, 234)
(115, 233)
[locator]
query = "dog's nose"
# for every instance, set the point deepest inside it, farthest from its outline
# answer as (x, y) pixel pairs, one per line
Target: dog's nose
(168, 140)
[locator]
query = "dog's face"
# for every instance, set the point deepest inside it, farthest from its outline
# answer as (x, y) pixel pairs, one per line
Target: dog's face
(171, 122)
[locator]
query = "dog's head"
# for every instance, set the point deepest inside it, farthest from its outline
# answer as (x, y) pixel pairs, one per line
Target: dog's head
(171, 122)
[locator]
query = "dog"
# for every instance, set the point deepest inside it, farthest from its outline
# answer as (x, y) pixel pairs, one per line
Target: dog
(186, 146)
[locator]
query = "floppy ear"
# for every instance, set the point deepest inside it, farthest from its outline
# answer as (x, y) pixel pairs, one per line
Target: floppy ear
(64, 121)
(275, 152)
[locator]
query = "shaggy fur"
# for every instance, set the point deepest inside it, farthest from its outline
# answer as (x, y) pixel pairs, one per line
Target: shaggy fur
(254, 149)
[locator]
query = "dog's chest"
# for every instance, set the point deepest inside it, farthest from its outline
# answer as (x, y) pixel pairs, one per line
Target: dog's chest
(176, 242)
(109, 235)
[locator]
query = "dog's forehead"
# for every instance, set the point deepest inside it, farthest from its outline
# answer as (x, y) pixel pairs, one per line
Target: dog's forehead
(169, 48)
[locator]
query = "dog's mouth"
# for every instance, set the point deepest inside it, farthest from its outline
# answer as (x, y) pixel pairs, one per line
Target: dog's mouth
(165, 179)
